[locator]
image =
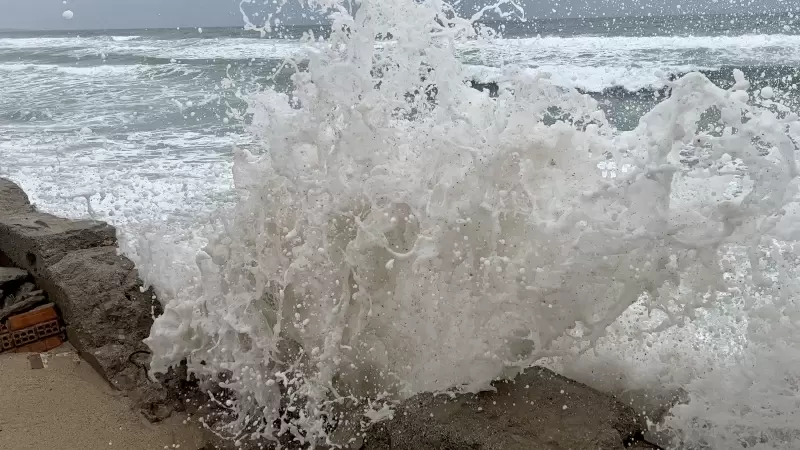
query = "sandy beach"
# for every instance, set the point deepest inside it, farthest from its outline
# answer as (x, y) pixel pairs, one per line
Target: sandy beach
(66, 405)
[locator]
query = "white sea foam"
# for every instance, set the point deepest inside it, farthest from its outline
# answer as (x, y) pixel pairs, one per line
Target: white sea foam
(49, 42)
(195, 48)
(593, 79)
(661, 49)
(595, 63)
(589, 50)
(588, 62)
(132, 185)
(384, 245)
(588, 78)
(88, 71)
(124, 38)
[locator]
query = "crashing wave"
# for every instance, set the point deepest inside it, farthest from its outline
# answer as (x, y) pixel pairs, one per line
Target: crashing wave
(385, 244)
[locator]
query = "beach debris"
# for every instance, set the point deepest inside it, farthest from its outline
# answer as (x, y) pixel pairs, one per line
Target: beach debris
(35, 361)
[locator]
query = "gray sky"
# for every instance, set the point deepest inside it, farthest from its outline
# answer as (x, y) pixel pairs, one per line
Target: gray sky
(110, 14)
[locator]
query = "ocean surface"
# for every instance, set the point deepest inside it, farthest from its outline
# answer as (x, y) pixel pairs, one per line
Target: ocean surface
(137, 127)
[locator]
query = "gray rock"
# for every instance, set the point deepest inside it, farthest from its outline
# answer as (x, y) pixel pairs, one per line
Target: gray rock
(26, 289)
(21, 306)
(29, 292)
(538, 410)
(18, 297)
(10, 280)
(11, 275)
(13, 199)
(33, 241)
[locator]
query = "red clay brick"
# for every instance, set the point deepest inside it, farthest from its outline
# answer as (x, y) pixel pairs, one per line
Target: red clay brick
(6, 342)
(30, 348)
(23, 349)
(52, 342)
(23, 337)
(49, 328)
(37, 346)
(41, 346)
(41, 314)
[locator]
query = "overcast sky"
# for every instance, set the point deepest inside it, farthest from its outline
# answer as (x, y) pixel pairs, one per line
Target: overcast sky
(111, 14)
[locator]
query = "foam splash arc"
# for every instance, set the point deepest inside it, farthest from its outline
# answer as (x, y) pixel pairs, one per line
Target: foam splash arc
(385, 246)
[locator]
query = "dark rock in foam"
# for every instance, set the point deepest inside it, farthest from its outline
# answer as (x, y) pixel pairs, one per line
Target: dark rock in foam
(538, 410)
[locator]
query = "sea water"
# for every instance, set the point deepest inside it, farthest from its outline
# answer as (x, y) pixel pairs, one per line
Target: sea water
(363, 241)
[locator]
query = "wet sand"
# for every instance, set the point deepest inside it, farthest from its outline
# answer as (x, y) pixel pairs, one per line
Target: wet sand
(67, 405)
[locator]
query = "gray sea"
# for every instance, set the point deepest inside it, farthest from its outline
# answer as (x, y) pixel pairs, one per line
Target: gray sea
(137, 127)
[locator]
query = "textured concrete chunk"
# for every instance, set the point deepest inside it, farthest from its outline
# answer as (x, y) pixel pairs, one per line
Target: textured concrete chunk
(13, 199)
(107, 314)
(538, 410)
(34, 240)
(97, 291)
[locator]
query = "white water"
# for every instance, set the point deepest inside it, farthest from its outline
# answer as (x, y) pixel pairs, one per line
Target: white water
(377, 253)
(588, 62)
